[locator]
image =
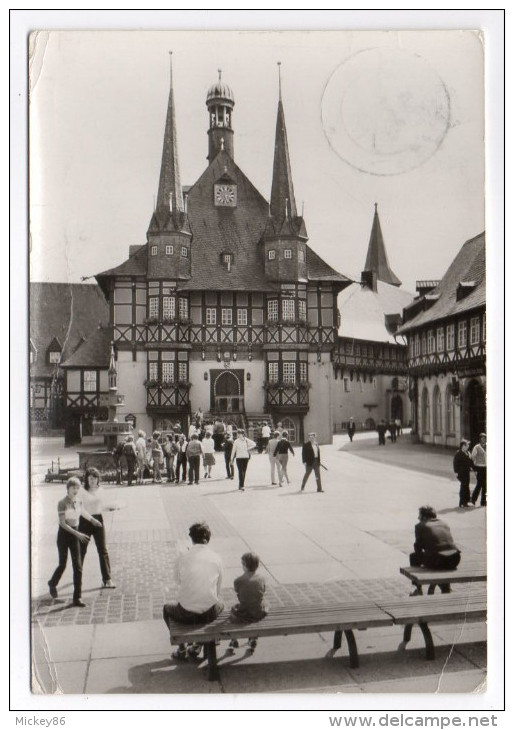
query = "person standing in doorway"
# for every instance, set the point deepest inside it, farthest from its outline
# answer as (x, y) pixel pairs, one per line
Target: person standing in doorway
(462, 465)
(270, 450)
(311, 457)
(351, 428)
(281, 453)
(479, 458)
(241, 455)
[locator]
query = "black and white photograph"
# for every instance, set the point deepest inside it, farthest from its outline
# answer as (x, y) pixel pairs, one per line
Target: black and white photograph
(257, 381)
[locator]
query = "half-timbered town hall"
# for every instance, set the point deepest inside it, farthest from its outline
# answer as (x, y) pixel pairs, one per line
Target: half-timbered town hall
(226, 307)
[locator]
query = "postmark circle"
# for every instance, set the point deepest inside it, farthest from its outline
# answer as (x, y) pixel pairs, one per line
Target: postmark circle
(385, 111)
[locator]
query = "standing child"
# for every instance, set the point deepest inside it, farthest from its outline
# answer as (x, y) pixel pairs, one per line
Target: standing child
(69, 538)
(250, 589)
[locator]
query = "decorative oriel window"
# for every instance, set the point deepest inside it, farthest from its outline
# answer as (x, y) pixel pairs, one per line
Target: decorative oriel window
(273, 372)
(273, 310)
(289, 373)
(288, 309)
(168, 371)
(272, 254)
(168, 307)
(183, 308)
(153, 251)
(169, 250)
(288, 253)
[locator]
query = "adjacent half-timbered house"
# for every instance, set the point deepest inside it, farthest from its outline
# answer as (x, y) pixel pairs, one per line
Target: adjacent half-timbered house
(225, 307)
(370, 360)
(62, 319)
(446, 331)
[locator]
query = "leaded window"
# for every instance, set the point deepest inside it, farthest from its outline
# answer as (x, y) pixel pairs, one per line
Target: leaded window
(153, 307)
(430, 342)
(273, 372)
(303, 372)
(153, 372)
(288, 309)
(450, 337)
(182, 371)
(242, 316)
(210, 315)
(273, 310)
(168, 307)
(302, 309)
(168, 370)
(169, 250)
(474, 331)
(440, 339)
(226, 316)
(183, 308)
(289, 372)
(288, 253)
(462, 334)
(90, 380)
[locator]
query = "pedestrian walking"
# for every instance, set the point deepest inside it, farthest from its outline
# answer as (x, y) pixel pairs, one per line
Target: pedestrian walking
(250, 589)
(130, 454)
(479, 457)
(462, 465)
(199, 576)
(209, 459)
(181, 459)
(350, 428)
(94, 501)
(281, 453)
(265, 435)
(391, 427)
(311, 457)
(381, 430)
(433, 546)
(69, 538)
(194, 452)
(170, 449)
(228, 444)
(270, 450)
(141, 456)
(157, 457)
(241, 454)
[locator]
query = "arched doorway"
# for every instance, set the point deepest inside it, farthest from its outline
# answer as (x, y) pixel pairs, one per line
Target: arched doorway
(396, 408)
(474, 416)
(228, 393)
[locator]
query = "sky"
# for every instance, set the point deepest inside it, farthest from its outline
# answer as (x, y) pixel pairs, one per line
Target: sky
(386, 117)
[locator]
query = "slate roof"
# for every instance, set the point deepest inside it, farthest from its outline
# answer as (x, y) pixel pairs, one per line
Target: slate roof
(376, 259)
(94, 352)
(467, 266)
(218, 230)
(68, 313)
(363, 311)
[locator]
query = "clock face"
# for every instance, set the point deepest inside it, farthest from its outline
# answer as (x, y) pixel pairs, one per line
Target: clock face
(225, 195)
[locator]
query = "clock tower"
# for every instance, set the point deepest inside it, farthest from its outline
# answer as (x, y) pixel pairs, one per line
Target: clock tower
(220, 104)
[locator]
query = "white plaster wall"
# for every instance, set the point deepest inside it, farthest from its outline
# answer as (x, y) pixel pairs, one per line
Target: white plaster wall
(319, 416)
(445, 438)
(351, 404)
(73, 380)
(131, 376)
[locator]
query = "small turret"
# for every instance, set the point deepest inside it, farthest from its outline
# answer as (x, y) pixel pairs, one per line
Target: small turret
(220, 103)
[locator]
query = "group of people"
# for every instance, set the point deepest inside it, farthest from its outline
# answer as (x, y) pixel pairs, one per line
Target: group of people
(464, 463)
(393, 427)
(174, 458)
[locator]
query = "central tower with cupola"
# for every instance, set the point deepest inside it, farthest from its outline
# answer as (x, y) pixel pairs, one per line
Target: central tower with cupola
(220, 103)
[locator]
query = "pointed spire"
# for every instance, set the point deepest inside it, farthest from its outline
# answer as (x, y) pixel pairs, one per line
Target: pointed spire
(282, 192)
(169, 181)
(376, 260)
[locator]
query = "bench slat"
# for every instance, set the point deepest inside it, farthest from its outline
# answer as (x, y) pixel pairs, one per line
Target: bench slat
(425, 609)
(426, 576)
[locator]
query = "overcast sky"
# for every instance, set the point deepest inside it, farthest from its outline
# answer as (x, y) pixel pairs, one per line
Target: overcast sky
(389, 117)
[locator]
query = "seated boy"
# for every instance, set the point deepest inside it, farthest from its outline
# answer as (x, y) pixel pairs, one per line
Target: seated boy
(250, 589)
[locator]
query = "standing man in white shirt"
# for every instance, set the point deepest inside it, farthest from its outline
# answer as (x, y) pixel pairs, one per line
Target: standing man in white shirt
(479, 458)
(312, 460)
(199, 574)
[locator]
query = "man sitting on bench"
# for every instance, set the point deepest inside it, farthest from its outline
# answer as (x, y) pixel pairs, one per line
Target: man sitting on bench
(434, 546)
(198, 573)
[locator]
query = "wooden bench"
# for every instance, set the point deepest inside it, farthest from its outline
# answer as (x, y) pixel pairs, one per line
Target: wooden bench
(467, 573)
(446, 608)
(284, 621)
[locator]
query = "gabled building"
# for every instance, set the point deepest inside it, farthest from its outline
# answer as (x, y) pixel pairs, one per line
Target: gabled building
(62, 318)
(370, 360)
(225, 307)
(446, 330)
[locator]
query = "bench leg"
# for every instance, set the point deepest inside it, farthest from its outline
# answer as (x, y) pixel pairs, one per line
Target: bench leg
(431, 589)
(213, 673)
(338, 637)
(352, 649)
(429, 643)
(407, 633)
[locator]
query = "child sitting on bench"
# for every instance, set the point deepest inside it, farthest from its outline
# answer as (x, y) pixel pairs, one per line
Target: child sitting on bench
(250, 589)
